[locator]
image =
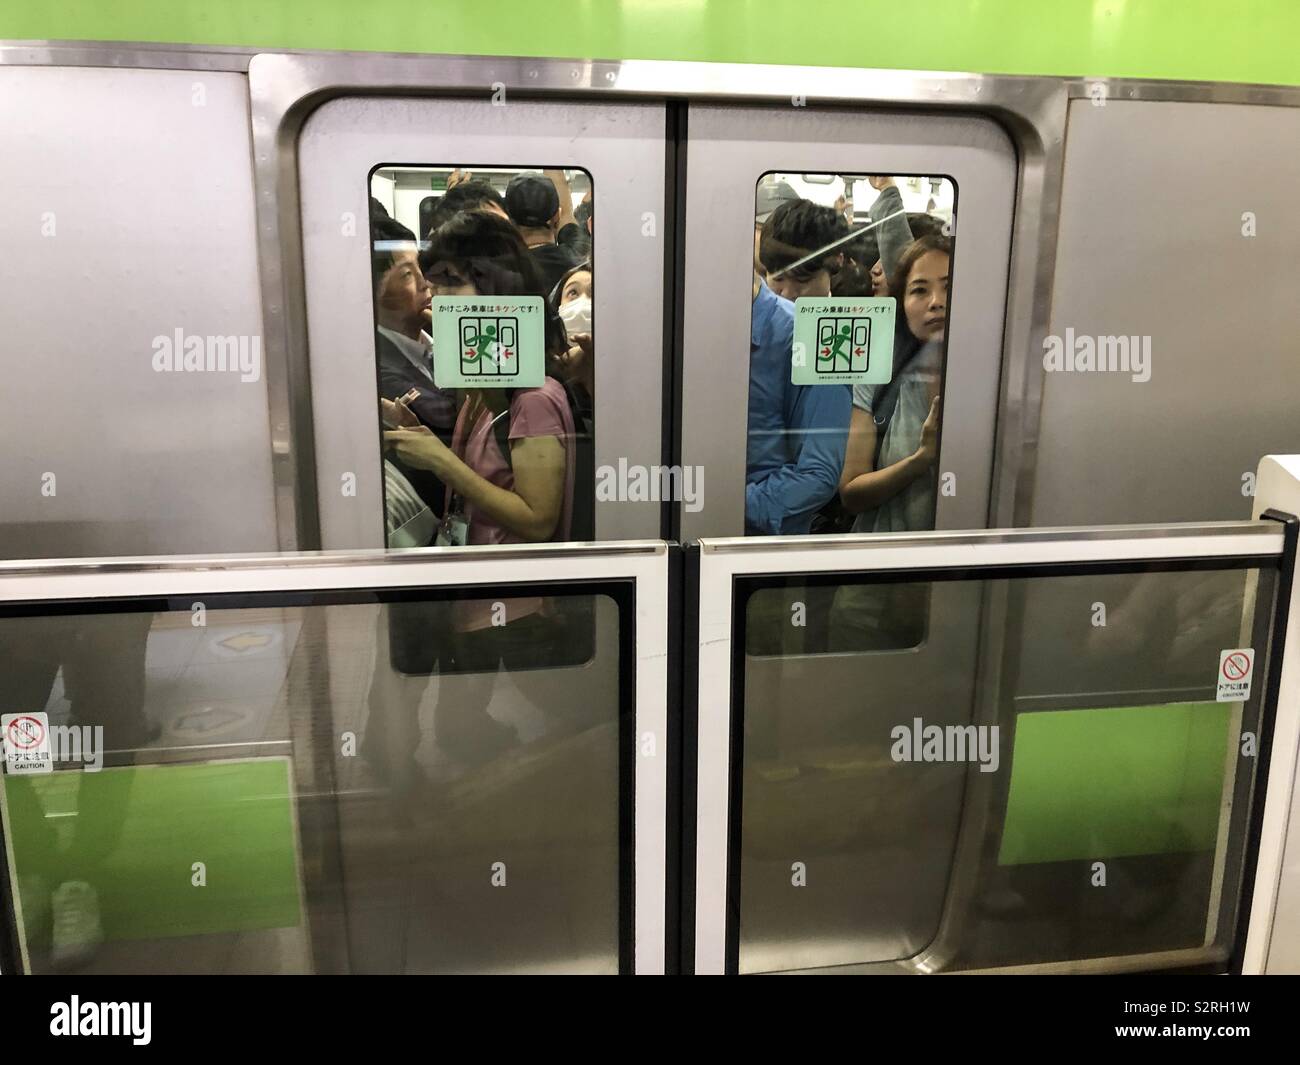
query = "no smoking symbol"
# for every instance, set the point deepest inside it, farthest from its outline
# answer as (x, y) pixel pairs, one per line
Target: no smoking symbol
(1236, 666)
(26, 733)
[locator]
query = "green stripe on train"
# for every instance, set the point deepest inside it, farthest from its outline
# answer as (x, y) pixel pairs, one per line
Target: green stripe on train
(135, 833)
(1093, 784)
(1193, 40)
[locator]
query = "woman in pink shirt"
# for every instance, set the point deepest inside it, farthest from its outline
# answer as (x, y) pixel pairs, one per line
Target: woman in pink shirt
(509, 470)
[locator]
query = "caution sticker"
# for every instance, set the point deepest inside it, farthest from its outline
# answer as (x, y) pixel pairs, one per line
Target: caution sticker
(489, 341)
(1235, 670)
(26, 743)
(843, 340)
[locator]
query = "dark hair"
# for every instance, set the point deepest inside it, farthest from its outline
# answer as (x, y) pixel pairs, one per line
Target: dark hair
(584, 211)
(531, 200)
(384, 233)
(467, 196)
(489, 251)
(797, 229)
(864, 250)
(919, 247)
(853, 279)
(486, 249)
(558, 291)
(923, 225)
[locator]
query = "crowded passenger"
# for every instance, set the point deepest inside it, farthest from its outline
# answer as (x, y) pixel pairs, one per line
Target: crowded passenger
(585, 215)
(541, 206)
(510, 471)
(889, 230)
(407, 392)
(801, 247)
(888, 479)
(573, 296)
(796, 432)
(771, 194)
(465, 193)
(511, 462)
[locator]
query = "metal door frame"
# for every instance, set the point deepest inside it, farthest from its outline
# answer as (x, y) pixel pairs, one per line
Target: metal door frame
(970, 151)
(722, 560)
(620, 144)
(285, 88)
(645, 563)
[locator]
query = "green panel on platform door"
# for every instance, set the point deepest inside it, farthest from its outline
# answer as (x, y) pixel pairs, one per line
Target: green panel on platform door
(1118, 781)
(151, 823)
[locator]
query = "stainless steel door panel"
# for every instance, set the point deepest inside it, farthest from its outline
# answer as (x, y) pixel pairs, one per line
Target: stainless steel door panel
(128, 231)
(621, 146)
(729, 149)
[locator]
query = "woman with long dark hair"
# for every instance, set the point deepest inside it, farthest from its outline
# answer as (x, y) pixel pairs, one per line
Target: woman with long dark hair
(516, 485)
(510, 477)
(888, 479)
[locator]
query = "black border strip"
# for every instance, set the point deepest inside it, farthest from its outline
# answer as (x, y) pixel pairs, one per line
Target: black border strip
(11, 960)
(673, 854)
(745, 586)
(670, 515)
(689, 753)
(625, 598)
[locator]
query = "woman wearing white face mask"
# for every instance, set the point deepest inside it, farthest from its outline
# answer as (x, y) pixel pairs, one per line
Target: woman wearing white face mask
(574, 297)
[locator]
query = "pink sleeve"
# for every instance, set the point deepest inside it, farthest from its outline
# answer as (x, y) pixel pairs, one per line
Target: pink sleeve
(541, 412)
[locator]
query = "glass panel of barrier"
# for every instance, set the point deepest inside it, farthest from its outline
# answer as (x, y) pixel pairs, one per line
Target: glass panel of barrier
(414, 778)
(1088, 808)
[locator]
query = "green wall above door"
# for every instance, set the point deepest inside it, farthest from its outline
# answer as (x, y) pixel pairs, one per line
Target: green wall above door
(1194, 40)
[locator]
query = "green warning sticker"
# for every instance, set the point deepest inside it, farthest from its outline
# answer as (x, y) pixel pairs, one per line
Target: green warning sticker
(489, 341)
(843, 340)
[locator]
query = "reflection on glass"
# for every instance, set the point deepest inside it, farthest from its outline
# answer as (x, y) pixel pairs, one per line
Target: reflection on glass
(1092, 807)
(476, 459)
(341, 787)
(847, 453)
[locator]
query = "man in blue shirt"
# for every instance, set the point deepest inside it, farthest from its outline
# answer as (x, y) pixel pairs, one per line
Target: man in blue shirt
(797, 433)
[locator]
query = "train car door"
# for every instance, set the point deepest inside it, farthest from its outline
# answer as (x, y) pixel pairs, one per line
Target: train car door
(742, 162)
(403, 152)
(367, 149)
(768, 215)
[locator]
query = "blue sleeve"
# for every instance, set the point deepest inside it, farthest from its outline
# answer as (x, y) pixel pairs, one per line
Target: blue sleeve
(787, 499)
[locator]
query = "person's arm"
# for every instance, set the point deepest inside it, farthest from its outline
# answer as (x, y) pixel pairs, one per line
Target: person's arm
(433, 408)
(531, 511)
(895, 235)
(561, 184)
(863, 488)
(578, 364)
(821, 421)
